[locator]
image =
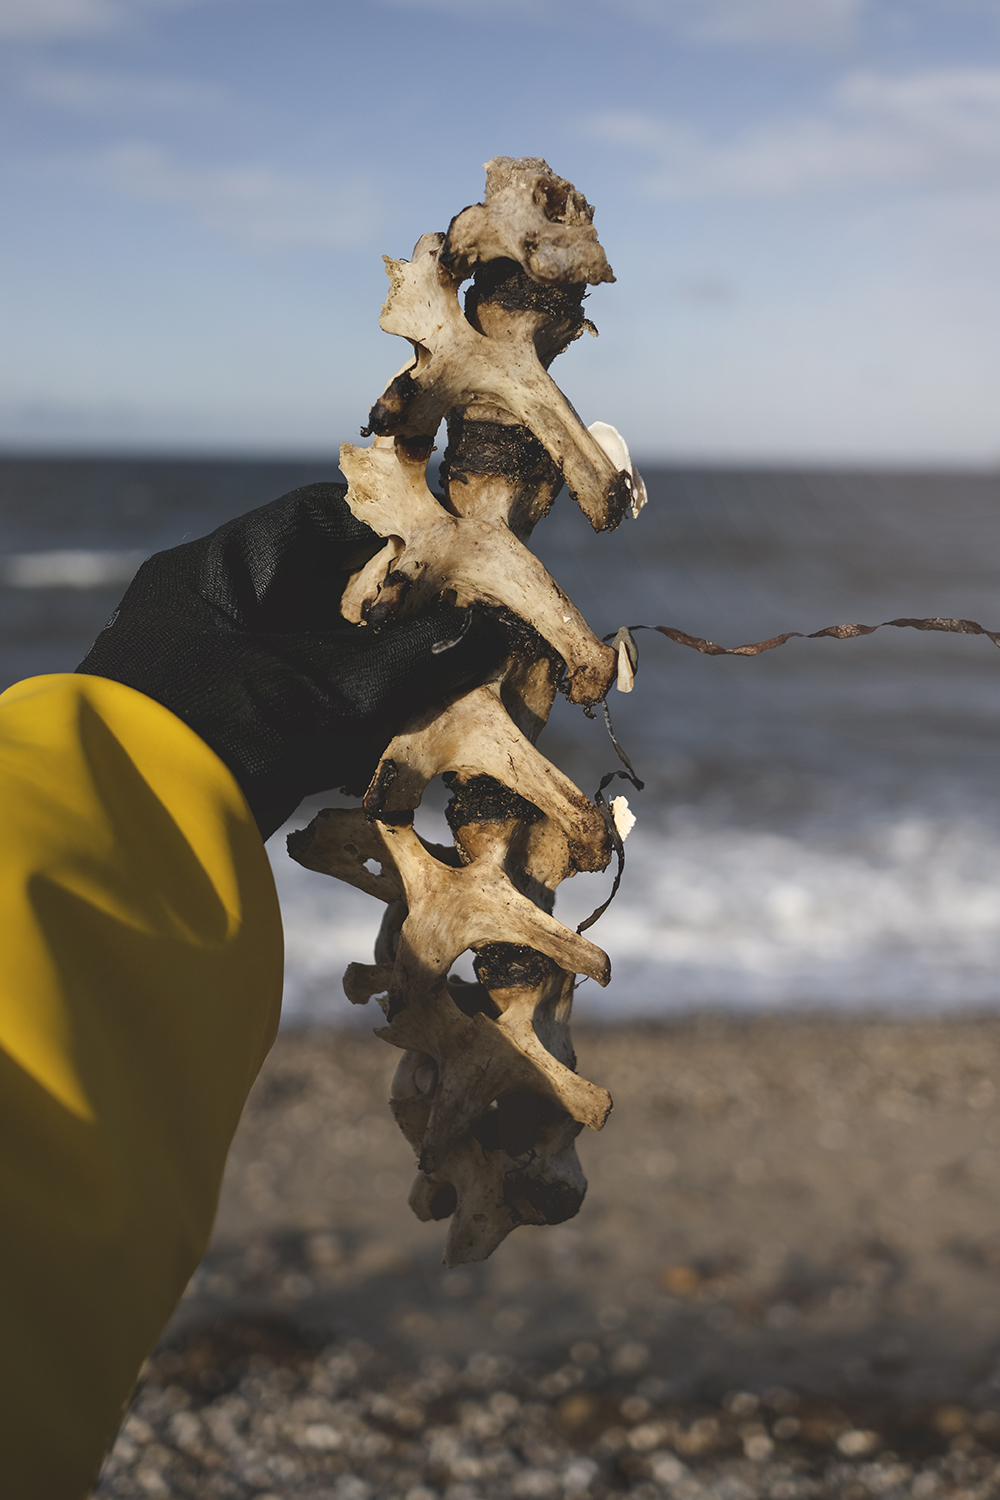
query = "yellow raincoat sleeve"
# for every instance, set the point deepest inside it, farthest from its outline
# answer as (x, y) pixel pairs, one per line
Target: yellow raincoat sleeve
(140, 984)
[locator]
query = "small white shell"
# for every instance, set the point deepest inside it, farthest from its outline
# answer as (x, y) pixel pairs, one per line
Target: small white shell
(639, 496)
(615, 446)
(623, 816)
(626, 676)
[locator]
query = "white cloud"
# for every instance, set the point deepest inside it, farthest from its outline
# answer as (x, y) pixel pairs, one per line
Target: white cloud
(754, 21)
(783, 21)
(936, 128)
(52, 18)
(256, 204)
(956, 109)
(484, 10)
(48, 20)
(91, 91)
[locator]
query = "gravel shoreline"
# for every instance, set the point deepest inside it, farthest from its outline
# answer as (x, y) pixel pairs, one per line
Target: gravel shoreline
(785, 1282)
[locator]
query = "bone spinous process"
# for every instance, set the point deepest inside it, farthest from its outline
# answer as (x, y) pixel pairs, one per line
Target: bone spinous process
(486, 1090)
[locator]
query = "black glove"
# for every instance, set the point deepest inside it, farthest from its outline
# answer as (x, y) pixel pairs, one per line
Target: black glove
(240, 635)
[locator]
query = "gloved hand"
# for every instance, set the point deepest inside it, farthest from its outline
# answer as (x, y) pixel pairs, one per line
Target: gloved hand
(240, 635)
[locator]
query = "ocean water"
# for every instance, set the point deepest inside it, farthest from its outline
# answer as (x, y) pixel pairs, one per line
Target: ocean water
(820, 825)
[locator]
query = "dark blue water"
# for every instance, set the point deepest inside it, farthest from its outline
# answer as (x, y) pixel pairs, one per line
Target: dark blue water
(821, 824)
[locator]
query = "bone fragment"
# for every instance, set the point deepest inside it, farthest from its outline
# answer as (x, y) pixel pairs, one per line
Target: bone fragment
(486, 1091)
(475, 736)
(534, 217)
(476, 560)
(456, 364)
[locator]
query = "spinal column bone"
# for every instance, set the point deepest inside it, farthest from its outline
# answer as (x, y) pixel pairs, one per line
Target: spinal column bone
(486, 1092)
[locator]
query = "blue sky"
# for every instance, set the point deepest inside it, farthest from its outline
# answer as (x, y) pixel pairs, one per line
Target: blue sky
(800, 199)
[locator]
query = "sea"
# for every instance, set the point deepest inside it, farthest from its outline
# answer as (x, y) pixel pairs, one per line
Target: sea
(820, 824)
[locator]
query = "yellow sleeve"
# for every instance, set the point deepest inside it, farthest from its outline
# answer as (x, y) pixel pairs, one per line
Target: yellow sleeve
(140, 985)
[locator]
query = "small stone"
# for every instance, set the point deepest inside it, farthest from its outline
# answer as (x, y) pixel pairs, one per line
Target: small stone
(577, 1475)
(151, 1481)
(628, 1359)
(612, 1440)
(646, 1437)
(577, 1409)
(856, 1442)
(536, 1484)
(683, 1281)
(666, 1468)
(951, 1420)
(757, 1444)
(505, 1405)
(584, 1353)
(634, 1408)
(322, 1436)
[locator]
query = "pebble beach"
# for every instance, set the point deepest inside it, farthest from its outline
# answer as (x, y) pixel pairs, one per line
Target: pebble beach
(784, 1282)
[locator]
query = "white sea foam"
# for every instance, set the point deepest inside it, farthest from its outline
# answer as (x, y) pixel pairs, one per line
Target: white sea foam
(327, 926)
(820, 824)
(69, 568)
(905, 914)
(902, 913)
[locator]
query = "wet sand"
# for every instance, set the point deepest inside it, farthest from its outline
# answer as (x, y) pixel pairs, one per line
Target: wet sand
(784, 1282)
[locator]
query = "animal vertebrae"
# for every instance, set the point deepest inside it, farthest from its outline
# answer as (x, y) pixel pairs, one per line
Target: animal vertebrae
(486, 1091)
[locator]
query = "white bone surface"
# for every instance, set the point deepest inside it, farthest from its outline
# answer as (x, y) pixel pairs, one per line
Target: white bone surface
(455, 364)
